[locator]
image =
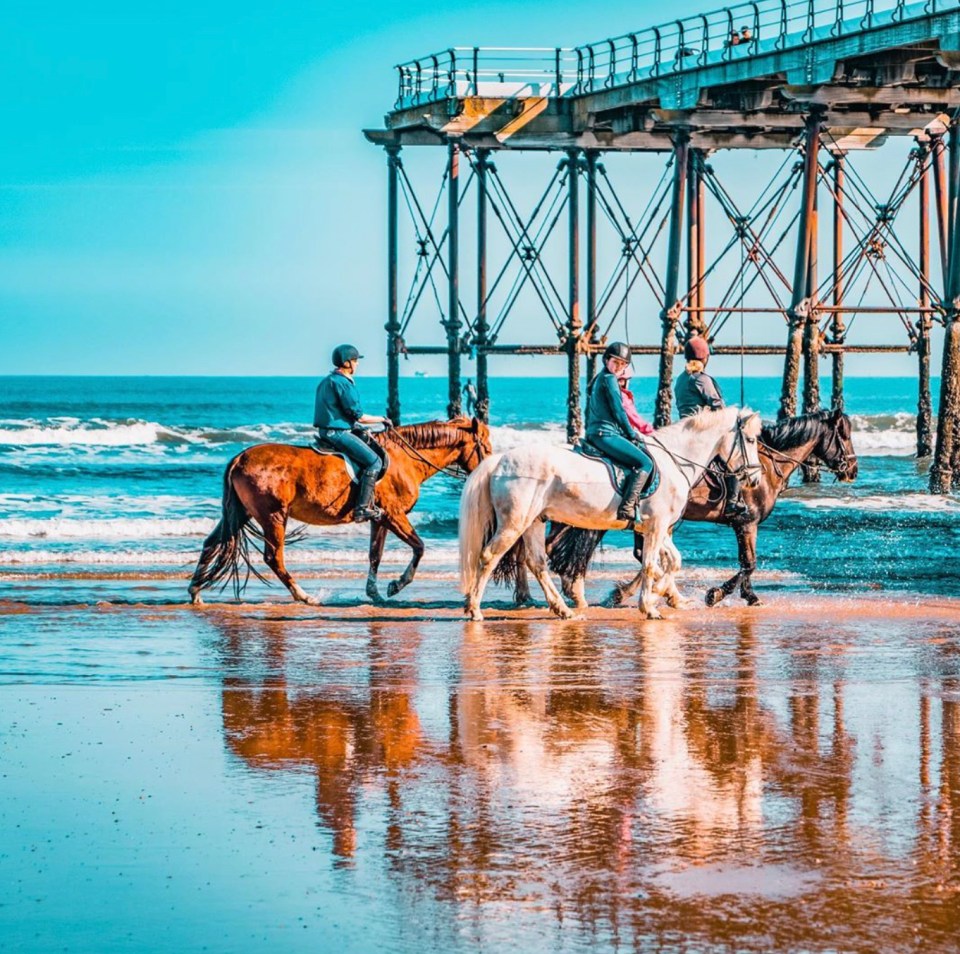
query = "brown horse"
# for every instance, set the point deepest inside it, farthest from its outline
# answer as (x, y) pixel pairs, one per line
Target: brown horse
(271, 483)
(784, 447)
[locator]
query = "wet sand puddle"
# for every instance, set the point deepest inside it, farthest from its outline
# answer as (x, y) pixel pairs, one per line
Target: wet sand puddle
(356, 778)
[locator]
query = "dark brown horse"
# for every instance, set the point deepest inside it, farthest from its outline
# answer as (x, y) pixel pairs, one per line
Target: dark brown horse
(784, 447)
(271, 483)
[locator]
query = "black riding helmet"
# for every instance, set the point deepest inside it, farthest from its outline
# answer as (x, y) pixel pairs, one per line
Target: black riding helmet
(617, 349)
(344, 353)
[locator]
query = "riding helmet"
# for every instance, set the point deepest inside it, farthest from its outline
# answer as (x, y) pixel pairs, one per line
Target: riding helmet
(617, 349)
(344, 353)
(696, 349)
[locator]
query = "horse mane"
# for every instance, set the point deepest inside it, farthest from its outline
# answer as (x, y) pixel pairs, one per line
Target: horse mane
(427, 435)
(794, 431)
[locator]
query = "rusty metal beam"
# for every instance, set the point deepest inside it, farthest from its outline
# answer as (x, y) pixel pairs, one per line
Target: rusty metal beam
(800, 305)
(394, 342)
(671, 311)
(574, 324)
(453, 286)
(482, 328)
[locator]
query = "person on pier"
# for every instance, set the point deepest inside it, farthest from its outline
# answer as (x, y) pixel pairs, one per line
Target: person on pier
(337, 414)
(610, 431)
(695, 389)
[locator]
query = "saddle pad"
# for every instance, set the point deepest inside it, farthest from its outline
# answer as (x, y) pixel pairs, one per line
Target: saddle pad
(318, 448)
(617, 472)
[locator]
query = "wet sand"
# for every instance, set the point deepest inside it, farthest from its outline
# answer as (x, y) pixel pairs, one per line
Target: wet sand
(357, 778)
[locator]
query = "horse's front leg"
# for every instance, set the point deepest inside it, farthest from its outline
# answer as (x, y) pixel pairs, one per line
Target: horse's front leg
(747, 544)
(399, 524)
(652, 542)
(378, 537)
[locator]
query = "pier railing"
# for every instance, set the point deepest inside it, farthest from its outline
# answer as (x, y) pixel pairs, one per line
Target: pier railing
(726, 35)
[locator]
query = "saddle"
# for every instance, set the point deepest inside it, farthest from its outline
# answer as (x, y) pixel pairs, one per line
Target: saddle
(617, 472)
(324, 450)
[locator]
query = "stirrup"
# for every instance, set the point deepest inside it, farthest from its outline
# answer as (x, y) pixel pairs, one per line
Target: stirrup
(365, 514)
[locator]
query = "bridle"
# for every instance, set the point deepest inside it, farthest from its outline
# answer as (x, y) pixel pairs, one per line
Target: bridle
(838, 463)
(456, 472)
(743, 471)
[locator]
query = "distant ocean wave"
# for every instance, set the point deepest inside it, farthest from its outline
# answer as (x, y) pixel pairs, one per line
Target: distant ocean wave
(874, 434)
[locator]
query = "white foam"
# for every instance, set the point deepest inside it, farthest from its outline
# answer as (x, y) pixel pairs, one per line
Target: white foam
(95, 434)
(111, 528)
(884, 503)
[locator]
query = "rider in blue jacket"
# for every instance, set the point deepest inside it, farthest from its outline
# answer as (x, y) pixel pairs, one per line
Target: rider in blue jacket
(337, 412)
(610, 431)
(696, 389)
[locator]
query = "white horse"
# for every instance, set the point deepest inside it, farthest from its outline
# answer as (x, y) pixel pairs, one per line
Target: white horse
(512, 495)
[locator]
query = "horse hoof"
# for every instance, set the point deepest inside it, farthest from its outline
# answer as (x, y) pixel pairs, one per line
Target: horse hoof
(615, 598)
(393, 587)
(652, 614)
(714, 595)
(374, 595)
(312, 601)
(753, 600)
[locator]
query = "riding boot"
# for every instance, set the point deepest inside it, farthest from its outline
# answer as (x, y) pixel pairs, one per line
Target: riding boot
(366, 509)
(631, 494)
(734, 508)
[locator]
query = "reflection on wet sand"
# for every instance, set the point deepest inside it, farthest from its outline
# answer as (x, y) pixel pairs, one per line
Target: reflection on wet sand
(661, 783)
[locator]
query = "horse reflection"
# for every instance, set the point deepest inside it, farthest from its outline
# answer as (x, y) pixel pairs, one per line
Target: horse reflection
(337, 733)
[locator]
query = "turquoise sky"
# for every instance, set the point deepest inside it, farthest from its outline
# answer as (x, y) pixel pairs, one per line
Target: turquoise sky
(185, 189)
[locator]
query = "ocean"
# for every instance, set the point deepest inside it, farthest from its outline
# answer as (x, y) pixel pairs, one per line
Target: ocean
(110, 484)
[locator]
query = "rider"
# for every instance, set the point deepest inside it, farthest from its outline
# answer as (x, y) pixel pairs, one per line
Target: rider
(696, 389)
(336, 413)
(610, 431)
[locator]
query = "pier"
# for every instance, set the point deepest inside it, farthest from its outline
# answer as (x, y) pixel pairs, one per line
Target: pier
(817, 247)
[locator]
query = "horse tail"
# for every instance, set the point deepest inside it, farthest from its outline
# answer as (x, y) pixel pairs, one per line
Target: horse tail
(478, 521)
(571, 550)
(228, 545)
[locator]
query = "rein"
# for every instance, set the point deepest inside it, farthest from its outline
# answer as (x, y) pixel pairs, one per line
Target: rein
(707, 468)
(414, 452)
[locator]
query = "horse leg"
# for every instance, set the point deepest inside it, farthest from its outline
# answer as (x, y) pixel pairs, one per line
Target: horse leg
(670, 564)
(652, 544)
(747, 543)
(207, 554)
(400, 526)
(535, 544)
(274, 529)
(521, 588)
(378, 537)
(499, 544)
(716, 593)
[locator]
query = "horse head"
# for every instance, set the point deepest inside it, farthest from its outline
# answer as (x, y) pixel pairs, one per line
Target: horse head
(835, 447)
(743, 458)
(476, 444)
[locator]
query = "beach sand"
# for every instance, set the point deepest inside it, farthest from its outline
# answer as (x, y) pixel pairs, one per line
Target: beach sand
(356, 778)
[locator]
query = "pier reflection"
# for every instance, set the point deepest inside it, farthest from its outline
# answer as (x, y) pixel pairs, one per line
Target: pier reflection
(621, 781)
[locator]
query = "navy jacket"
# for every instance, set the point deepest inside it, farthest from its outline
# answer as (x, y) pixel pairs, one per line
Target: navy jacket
(695, 391)
(605, 413)
(337, 407)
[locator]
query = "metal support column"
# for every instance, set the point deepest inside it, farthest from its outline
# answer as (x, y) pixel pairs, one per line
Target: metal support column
(482, 328)
(671, 309)
(696, 244)
(941, 472)
(453, 267)
(938, 149)
(800, 304)
(811, 339)
(574, 325)
(394, 342)
(594, 338)
(924, 405)
(838, 329)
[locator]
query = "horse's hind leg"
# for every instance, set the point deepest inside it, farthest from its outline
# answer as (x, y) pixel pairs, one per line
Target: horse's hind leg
(500, 543)
(274, 531)
(210, 547)
(401, 526)
(536, 558)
